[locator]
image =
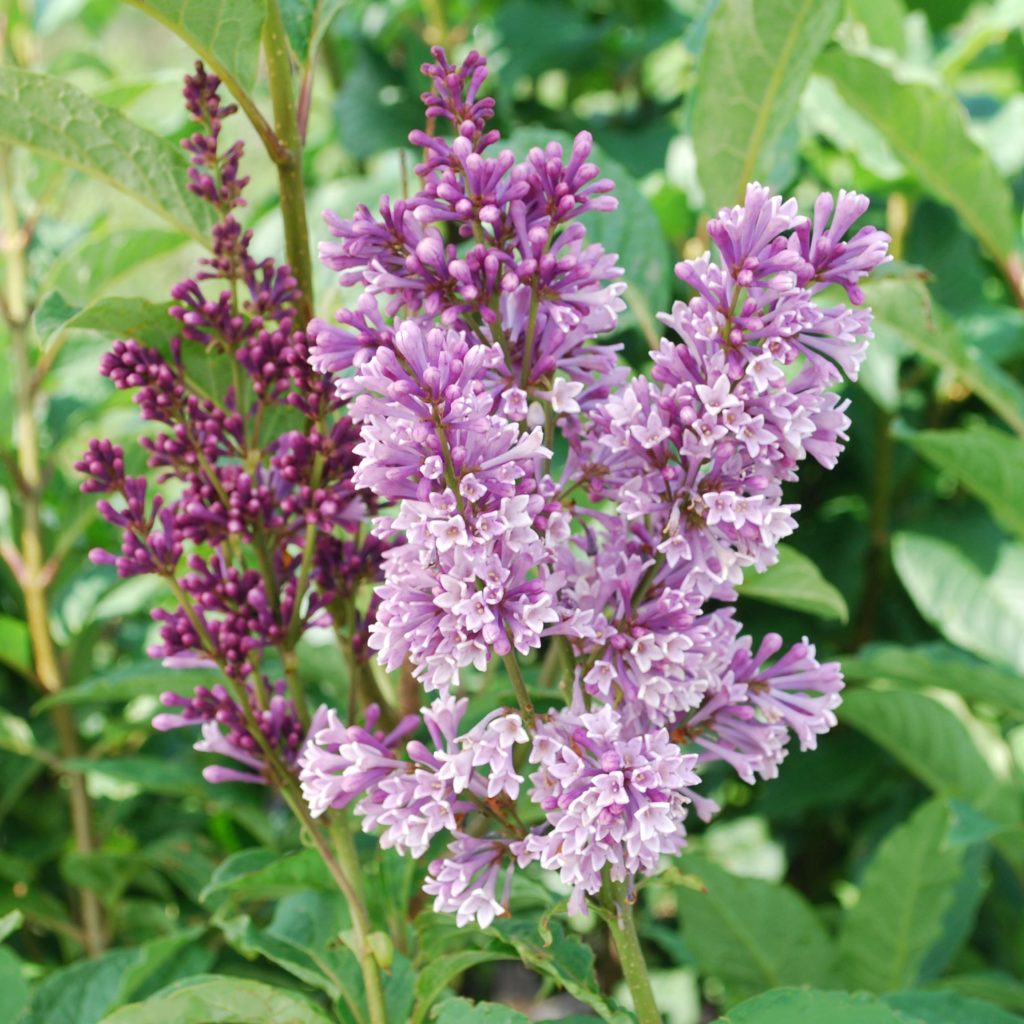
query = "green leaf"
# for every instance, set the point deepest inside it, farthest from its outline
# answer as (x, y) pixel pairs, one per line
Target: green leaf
(225, 33)
(141, 773)
(53, 117)
(10, 923)
(938, 664)
(212, 999)
(83, 992)
(799, 1006)
(462, 1011)
(127, 682)
(975, 602)
(13, 987)
(439, 971)
(990, 986)
(565, 959)
(927, 129)
(16, 735)
(970, 826)
(146, 322)
(334, 971)
(633, 231)
(959, 922)
(297, 16)
(988, 463)
(948, 1008)
(260, 874)
(928, 739)
(752, 934)
(110, 255)
(905, 314)
(16, 646)
(905, 894)
(796, 582)
(754, 63)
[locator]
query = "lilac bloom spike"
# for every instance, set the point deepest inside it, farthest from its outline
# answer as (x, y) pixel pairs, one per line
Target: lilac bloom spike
(250, 510)
(474, 352)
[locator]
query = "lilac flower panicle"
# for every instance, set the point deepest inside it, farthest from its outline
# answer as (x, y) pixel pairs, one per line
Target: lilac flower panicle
(260, 533)
(461, 363)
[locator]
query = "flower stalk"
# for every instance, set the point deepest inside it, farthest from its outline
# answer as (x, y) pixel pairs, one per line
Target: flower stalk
(288, 159)
(619, 917)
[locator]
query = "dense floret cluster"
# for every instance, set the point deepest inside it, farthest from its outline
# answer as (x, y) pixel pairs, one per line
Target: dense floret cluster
(474, 347)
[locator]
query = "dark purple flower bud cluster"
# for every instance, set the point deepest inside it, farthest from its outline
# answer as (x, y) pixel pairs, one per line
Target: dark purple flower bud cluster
(462, 359)
(258, 524)
(227, 732)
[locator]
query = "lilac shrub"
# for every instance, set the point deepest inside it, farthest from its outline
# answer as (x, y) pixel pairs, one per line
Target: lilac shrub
(481, 336)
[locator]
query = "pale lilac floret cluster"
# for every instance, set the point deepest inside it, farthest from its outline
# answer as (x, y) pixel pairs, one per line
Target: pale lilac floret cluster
(463, 361)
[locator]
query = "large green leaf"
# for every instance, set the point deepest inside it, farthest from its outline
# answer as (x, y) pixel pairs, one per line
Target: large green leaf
(948, 1008)
(53, 117)
(211, 999)
(462, 1011)
(753, 66)
(905, 894)
(226, 33)
(796, 582)
(927, 129)
(987, 462)
(990, 986)
(904, 315)
(109, 255)
(83, 992)
(929, 740)
(334, 970)
(565, 959)
(438, 971)
(633, 231)
(146, 322)
(751, 934)
(938, 664)
(960, 919)
(975, 602)
(801, 1006)
(140, 773)
(129, 681)
(13, 987)
(260, 874)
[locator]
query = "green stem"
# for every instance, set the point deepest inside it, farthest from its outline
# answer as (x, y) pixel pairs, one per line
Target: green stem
(531, 330)
(34, 570)
(622, 929)
(289, 162)
(348, 862)
(519, 685)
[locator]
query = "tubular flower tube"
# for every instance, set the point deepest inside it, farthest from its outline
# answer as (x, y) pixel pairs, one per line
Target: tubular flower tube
(544, 496)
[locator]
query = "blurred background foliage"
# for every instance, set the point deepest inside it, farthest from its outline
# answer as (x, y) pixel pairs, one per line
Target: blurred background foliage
(891, 859)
